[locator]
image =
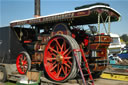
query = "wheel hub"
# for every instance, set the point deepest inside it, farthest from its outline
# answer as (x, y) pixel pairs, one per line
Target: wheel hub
(59, 58)
(23, 63)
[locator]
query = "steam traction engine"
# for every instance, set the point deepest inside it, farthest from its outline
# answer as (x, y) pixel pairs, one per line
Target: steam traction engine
(50, 41)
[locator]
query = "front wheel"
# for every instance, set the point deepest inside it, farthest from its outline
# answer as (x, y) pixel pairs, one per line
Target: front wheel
(23, 62)
(59, 60)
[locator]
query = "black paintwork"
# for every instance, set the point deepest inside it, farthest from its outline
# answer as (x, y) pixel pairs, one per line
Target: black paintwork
(10, 46)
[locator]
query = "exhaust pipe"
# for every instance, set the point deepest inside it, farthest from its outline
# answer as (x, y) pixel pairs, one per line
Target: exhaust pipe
(37, 8)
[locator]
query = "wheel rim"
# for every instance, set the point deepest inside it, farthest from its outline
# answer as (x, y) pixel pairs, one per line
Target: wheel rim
(58, 58)
(22, 63)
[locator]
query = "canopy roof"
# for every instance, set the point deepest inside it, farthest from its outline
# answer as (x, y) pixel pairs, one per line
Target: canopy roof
(86, 15)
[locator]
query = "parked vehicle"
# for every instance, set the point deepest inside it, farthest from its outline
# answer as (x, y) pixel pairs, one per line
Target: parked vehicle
(49, 42)
(124, 54)
(115, 46)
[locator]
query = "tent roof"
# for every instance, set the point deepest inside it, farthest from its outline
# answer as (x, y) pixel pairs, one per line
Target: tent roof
(86, 15)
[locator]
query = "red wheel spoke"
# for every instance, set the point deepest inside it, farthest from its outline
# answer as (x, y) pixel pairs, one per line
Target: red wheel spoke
(58, 68)
(66, 51)
(53, 67)
(67, 57)
(67, 65)
(53, 54)
(63, 45)
(69, 52)
(18, 66)
(58, 43)
(25, 62)
(57, 48)
(24, 58)
(69, 62)
(53, 49)
(26, 65)
(52, 63)
(48, 54)
(58, 73)
(20, 62)
(24, 69)
(21, 58)
(21, 67)
(51, 58)
(63, 69)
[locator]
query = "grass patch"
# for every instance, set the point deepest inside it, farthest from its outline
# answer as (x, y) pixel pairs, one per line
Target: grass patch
(10, 83)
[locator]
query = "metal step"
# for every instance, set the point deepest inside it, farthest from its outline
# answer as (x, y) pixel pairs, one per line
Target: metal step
(102, 64)
(39, 51)
(86, 74)
(99, 64)
(44, 43)
(89, 82)
(99, 61)
(92, 57)
(98, 50)
(84, 68)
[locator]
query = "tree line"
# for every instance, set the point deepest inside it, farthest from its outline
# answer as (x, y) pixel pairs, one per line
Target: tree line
(124, 37)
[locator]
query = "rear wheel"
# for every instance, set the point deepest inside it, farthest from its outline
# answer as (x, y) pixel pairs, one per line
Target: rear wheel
(3, 74)
(59, 60)
(23, 62)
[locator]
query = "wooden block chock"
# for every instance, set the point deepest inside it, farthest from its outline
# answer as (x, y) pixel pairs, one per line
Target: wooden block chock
(33, 76)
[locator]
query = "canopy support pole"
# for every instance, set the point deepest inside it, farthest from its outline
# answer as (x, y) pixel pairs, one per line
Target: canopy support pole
(99, 22)
(104, 23)
(109, 20)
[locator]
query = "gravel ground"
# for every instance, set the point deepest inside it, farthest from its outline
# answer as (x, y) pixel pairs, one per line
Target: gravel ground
(97, 82)
(2, 83)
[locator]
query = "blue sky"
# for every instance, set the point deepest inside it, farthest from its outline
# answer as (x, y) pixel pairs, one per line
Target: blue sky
(22, 9)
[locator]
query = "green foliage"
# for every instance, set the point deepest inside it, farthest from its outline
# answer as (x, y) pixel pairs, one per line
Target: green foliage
(10, 83)
(127, 43)
(124, 37)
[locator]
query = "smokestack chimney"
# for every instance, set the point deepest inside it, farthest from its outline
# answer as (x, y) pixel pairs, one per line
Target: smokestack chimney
(37, 8)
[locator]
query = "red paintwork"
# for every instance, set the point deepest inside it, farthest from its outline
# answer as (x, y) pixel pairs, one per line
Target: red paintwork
(57, 70)
(74, 36)
(21, 63)
(27, 41)
(86, 40)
